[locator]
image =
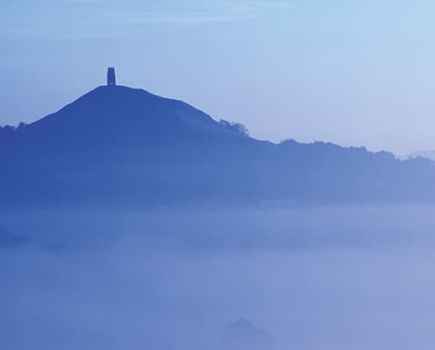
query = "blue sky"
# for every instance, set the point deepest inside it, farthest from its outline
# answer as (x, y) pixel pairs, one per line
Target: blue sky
(349, 72)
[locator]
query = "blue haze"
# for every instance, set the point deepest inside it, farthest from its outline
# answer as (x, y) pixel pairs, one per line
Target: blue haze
(131, 221)
(335, 278)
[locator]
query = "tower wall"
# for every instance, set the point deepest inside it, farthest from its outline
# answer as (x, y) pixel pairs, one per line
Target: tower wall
(111, 77)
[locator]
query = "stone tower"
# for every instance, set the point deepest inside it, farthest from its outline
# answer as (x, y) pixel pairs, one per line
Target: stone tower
(111, 77)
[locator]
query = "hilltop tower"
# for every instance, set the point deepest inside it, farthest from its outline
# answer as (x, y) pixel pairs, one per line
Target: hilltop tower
(111, 77)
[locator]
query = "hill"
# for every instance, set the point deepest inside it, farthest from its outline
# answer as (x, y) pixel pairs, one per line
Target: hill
(121, 146)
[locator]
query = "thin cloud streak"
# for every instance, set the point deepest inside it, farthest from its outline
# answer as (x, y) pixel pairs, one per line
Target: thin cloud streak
(77, 14)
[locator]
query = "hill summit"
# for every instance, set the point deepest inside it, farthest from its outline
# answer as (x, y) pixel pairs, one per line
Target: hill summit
(117, 115)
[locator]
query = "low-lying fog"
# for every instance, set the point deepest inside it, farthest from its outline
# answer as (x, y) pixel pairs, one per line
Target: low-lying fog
(187, 279)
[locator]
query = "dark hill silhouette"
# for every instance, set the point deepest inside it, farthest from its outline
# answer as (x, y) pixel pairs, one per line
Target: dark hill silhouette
(123, 146)
(115, 117)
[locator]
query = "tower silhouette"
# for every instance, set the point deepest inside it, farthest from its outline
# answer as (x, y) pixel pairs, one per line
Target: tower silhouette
(111, 77)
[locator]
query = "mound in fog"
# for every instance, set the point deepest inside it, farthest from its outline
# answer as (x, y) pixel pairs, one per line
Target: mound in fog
(242, 334)
(117, 145)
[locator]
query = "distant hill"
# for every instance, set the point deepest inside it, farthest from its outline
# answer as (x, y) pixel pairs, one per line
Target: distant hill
(420, 154)
(121, 146)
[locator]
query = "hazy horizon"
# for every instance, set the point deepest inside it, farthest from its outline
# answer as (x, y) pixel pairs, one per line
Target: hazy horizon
(350, 73)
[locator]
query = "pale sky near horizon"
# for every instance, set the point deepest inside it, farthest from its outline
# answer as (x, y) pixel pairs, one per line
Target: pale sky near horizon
(351, 72)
